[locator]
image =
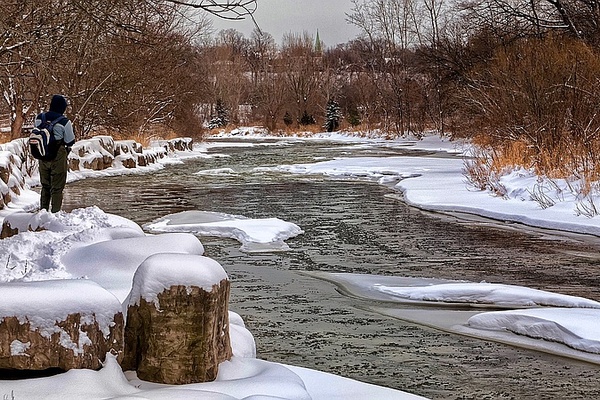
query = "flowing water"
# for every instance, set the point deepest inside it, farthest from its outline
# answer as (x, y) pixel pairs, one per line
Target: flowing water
(360, 227)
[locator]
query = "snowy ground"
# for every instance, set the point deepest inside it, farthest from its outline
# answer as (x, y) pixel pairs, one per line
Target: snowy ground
(567, 323)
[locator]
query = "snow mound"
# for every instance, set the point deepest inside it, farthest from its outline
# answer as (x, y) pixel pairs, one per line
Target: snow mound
(113, 263)
(487, 293)
(37, 255)
(574, 329)
(43, 303)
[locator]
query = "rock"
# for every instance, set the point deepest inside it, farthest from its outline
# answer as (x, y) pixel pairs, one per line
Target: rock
(12, 181)
(73, 163)
(5, 196)
(106, 142)
(127, 161)
(178, 333)
(18, 222)
(181, 144)
(5, 171)
(7, 229)
(143, 160)
(97, 162)
(172, 145)
(62, 324)
(127, 147)
(96, 153)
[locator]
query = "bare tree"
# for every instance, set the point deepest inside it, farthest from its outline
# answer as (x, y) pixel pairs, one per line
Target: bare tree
(578, 18)
(27, 53)
(392, 29)
(228, 67)
(269, 91)
(72, 47)
(300, 66)
(227, 9)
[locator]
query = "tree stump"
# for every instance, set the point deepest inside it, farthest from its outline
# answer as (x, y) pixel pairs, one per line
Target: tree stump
(62, 324)
(177, 328)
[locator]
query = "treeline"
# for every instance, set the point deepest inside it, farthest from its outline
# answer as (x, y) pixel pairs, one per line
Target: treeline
(519, 77)
(127, 66)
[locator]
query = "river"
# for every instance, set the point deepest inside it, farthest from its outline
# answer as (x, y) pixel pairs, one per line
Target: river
(362, 227)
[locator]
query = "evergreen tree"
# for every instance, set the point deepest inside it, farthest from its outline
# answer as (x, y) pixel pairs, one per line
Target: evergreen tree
(307, 119)
(333, 116)
(220, 118)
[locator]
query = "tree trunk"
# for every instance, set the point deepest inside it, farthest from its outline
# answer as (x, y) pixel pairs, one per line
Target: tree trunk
(16, 122)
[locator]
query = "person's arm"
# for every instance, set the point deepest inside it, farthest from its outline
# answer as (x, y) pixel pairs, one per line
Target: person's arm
(69, 136)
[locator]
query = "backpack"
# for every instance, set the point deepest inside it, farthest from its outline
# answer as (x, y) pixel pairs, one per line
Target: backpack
(42, 143)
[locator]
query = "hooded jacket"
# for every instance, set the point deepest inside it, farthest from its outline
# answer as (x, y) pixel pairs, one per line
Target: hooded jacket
(63, 130)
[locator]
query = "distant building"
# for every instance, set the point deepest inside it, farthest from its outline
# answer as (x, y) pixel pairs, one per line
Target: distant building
(318, 44)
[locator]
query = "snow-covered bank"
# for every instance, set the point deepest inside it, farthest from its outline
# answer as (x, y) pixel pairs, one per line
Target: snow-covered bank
(565, 324)
(94, 157)
(437, 183)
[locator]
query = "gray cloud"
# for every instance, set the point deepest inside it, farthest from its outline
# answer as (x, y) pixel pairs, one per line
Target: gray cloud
(279, 17)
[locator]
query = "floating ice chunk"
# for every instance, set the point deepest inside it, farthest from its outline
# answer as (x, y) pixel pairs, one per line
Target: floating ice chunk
(256, 235)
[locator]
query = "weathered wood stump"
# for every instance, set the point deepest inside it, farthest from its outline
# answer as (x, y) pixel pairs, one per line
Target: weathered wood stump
(177, 328)
(62, 324)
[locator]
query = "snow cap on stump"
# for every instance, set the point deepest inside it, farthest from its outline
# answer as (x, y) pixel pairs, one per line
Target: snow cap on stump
(161, 271)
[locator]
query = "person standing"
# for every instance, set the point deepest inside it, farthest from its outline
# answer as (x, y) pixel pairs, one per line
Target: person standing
(53, 174)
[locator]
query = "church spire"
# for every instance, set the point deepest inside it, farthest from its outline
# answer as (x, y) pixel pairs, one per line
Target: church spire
(318, 44)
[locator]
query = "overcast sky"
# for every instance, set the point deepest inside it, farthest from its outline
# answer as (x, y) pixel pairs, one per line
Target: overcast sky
(279, 17)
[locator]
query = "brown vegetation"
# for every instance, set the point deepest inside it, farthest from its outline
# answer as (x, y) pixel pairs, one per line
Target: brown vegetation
(535, 104)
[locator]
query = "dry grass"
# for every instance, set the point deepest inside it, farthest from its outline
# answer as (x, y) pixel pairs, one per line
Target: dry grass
(574, 163)
(536, 103)
(565, 160)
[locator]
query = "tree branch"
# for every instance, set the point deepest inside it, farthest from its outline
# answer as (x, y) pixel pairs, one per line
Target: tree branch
(226, 9)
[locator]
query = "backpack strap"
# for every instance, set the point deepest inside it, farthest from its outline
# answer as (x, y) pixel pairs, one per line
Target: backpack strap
(57, 119)
(53, 123)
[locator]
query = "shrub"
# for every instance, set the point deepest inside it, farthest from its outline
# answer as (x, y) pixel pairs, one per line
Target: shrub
(536, 103)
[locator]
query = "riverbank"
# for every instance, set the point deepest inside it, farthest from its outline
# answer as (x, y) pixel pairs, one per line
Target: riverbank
(95, 157)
